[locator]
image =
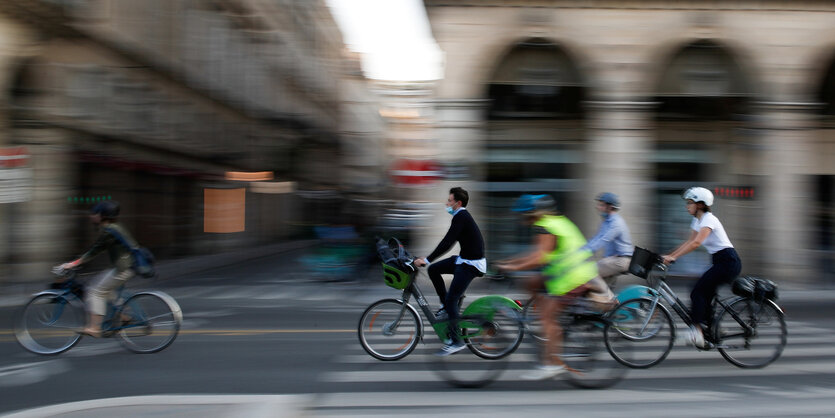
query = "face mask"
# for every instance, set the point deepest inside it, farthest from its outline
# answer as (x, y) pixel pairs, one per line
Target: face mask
(605, 215)
(449, 210)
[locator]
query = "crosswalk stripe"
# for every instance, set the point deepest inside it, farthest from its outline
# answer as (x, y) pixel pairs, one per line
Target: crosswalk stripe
(660, 372)
(809, 351)
(520, 355)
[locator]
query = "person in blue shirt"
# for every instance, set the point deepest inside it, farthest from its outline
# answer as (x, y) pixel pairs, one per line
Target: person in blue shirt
(613, 237)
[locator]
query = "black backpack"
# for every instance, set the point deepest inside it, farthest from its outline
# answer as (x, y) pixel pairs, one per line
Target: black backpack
(754, 287)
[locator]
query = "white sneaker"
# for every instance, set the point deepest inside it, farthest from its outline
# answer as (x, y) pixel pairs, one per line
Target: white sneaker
(451, 348)
(543, 372)
(697, 337)
(692, 336)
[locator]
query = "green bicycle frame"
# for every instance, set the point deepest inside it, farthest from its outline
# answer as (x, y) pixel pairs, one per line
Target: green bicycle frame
(484, 308)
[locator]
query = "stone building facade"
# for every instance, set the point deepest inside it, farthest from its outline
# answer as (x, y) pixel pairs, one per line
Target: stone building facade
(153, 102)
(644, 99)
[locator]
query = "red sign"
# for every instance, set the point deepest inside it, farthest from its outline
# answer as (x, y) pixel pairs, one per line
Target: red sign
(13, 157)
(734, 192)
(415, 172)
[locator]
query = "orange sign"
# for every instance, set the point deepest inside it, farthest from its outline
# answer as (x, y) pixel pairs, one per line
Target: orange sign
(224, 210)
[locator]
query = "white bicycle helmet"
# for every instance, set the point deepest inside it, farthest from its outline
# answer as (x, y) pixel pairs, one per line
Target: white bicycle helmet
(698, 194)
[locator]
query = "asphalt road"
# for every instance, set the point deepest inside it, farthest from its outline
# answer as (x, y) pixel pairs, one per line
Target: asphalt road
(261, 328)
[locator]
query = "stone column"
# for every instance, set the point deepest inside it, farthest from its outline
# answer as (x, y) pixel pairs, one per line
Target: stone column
(43, 224)
(619, 146)
(788, 127)
(460, 134)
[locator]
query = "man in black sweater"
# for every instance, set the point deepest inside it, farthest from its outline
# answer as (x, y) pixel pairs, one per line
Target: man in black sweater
(466, 266)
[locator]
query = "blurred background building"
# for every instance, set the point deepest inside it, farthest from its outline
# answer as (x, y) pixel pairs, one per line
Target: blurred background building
(225, 124)
(644, 99)
(172, 108)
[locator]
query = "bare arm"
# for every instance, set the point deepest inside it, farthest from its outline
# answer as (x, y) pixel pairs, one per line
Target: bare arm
(695, 241)
(543, 243)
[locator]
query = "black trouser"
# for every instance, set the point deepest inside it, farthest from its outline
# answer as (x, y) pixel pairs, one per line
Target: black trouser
(462, 275)
(726, 266)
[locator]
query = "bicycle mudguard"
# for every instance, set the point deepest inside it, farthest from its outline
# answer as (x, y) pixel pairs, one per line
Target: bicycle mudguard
(635, 291)
(70, 297)
(170, 301)
(486, 305)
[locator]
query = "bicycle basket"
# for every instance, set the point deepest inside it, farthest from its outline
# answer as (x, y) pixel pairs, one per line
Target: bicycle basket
(642, 262)
(397, 271)
(753, 287)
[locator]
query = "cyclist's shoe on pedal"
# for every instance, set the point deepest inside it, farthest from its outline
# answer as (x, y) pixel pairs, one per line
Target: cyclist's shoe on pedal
(544, 371)
(91, 332)
(452, 348)
(441, 315)
(694, 337)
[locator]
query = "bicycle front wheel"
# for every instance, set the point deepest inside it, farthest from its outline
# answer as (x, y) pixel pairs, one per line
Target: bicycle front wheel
(151, 322)
(640, 333)
(494, 338)
(49, 323)
(389, 329)
(585, 355)
(750, 334)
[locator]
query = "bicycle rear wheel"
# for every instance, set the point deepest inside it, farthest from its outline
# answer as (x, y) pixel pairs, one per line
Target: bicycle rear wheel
(388, 330)
(153, 322)
(640, 333)
(586, 357)
(494, 338)
(750, 334)
(49, 323)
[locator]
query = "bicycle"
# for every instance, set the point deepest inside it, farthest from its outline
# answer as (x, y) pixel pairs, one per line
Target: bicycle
(584, 349)
(51, 321)
(390, 329)
(533, 322)
(749, 317)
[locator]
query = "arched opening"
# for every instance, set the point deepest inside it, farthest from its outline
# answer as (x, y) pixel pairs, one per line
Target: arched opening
(703, 104)
(534, 136)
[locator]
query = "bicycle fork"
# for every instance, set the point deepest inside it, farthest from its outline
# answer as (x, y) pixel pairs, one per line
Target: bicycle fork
(391, 327)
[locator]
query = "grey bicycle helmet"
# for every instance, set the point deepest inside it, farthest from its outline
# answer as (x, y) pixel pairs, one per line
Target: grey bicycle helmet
(609, 198)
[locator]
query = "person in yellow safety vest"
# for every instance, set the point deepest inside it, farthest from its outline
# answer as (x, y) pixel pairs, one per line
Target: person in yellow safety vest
(566, 270)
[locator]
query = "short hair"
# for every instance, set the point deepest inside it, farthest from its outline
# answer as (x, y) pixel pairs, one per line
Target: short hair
(461, 195)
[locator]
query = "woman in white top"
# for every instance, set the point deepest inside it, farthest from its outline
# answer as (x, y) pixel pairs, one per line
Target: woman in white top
(707, 231)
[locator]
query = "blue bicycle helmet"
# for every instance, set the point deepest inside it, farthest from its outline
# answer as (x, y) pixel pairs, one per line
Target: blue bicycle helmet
(534, 202)
(609, 198)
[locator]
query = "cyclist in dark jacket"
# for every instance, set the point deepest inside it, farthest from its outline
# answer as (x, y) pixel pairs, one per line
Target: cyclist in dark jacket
(104, 215)
(466, 266)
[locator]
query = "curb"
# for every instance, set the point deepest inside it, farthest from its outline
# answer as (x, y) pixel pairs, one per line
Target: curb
(278, 406)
